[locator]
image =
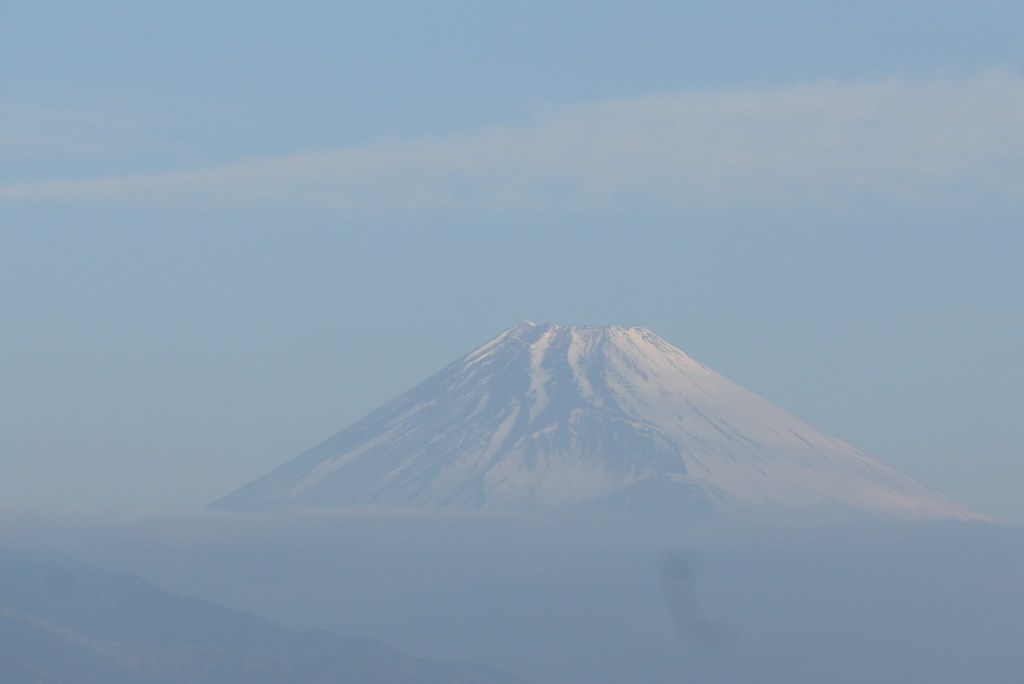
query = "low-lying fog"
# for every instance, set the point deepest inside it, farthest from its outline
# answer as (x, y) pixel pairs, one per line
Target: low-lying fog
(596, 599)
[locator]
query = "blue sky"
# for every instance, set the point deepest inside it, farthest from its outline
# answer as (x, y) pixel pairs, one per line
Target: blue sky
(230, 229)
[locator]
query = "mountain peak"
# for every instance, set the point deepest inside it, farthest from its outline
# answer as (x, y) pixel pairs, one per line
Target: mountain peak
(554, 417)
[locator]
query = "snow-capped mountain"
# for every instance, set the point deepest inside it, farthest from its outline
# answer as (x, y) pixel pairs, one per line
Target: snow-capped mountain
(554, 417)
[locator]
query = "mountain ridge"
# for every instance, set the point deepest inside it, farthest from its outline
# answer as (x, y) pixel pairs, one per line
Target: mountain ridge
(65, 622)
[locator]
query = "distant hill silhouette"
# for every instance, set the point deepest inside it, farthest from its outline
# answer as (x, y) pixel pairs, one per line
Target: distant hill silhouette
(62, 622)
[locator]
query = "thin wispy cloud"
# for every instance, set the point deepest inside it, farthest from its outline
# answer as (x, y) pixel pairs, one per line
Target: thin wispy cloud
(935, 143)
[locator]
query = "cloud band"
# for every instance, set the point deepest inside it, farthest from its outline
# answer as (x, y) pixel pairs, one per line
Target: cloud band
(934, 143)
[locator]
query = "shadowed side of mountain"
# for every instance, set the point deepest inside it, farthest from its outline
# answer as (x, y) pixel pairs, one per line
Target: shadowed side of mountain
(68, 623)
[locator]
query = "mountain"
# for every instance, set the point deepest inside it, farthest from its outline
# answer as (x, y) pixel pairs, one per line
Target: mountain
(547, 417)
(63, 622)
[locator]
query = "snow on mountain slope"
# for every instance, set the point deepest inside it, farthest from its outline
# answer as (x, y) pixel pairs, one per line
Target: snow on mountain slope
(553, 417)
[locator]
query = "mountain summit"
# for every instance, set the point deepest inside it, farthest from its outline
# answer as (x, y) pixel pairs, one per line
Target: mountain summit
(548, 417)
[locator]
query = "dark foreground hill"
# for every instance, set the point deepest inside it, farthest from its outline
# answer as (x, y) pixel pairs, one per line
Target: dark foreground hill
(63, 622)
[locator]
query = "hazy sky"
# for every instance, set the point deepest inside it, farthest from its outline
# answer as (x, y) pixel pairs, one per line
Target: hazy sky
(230, 229)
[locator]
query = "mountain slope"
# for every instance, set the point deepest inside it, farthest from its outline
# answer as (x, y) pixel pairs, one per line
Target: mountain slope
(68, 623)
(553, 417)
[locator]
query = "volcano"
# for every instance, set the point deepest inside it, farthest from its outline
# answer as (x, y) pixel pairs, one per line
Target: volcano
(548, 417)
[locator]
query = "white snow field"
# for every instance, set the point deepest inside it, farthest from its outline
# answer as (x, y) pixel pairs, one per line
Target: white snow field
(547, 417)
